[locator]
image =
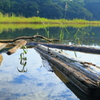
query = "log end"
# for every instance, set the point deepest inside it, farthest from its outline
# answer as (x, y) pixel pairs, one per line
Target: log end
(18, 46)
(9, 53)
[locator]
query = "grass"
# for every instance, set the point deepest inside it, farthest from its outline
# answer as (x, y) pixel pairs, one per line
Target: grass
(21, 20)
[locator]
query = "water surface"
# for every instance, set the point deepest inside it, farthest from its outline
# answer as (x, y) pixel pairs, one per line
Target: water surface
(37, 83)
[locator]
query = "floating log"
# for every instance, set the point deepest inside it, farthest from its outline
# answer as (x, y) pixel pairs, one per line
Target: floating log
(3, 45)
(84, 75)
(69, 47)
(19, 44)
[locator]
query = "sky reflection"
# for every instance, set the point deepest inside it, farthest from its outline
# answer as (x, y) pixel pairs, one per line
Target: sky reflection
(35, 84)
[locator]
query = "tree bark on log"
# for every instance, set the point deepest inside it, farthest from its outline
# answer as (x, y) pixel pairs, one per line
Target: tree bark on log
(18, 46)
(77, 72)
(3, 45)
(69, 47)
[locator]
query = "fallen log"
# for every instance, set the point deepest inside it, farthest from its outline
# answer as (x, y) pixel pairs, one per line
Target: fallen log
(69, 47)
(3, 45)
(83, 75)
(19, 44)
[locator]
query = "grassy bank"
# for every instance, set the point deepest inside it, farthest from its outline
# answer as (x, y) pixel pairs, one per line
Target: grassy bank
(38, 20)
(21, 22)
(51, 22)
(5, 19)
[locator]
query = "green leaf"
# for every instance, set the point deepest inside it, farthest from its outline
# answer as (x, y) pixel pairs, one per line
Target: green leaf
(25, 52)
(25, 64)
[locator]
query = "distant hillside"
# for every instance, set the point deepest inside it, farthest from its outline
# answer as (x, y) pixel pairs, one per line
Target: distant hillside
(94, 8)
(53, 9)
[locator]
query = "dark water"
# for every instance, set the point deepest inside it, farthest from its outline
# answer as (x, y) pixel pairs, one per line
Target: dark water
(85, 36)
(38, 83)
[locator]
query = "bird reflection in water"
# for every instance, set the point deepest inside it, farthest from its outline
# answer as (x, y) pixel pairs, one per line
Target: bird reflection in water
(23, 60)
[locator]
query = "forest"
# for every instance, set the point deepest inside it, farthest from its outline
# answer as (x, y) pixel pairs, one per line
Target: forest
(52, 9)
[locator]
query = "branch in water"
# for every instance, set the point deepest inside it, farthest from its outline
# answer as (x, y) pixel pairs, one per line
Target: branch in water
(28, 37)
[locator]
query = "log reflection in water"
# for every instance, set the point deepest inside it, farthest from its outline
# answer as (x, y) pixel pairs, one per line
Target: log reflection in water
(81, 95)
(1, 59)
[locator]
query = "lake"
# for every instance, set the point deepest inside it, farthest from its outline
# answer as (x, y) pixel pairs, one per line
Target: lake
(34, 81)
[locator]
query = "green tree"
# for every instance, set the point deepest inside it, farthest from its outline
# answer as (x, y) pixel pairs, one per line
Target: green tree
(51, 11)
(84, 9)
(94, 8)
(77, 11)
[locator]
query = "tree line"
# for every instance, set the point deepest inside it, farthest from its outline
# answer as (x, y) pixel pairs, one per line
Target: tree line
(53, 9)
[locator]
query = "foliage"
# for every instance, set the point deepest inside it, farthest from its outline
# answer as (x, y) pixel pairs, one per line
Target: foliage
(77, 11)
(94, 8)
(84, 9)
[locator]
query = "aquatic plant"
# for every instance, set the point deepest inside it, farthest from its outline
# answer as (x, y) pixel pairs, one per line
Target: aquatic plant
(23, 59)
(61, 35)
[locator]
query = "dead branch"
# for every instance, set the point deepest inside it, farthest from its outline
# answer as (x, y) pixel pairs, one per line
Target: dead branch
(28, 37)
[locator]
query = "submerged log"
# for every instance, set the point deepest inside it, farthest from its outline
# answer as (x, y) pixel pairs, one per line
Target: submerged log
(18, 46)
(80, 73)
(69, 47)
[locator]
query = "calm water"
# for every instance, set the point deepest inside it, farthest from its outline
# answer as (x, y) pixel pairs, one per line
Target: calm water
(38, 83)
